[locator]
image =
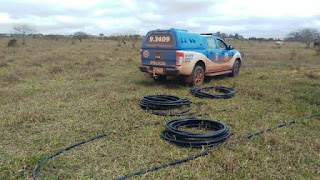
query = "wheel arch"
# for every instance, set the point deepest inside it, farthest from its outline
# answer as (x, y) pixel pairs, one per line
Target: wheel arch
(201, 63)
(239, 59)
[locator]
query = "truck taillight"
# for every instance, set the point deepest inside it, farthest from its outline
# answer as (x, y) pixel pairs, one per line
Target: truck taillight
(179, 58)
(140, 53)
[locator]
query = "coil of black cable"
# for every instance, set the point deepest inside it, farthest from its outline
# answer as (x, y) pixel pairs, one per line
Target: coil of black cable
(174, 134)
(199, 92)
(164, 102)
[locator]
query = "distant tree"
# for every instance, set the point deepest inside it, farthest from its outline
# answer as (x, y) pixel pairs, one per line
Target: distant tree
(24, 30)
(132, 36)
(305, 35)
(237, 36)
(217, 34)
(220, 34)
(261, 39)
(223, 35)
(120, 38)
(80, 35)
(133, 39)
(270, 39)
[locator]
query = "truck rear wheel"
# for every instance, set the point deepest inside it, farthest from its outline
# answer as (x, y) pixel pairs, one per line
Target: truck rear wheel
(197, 76)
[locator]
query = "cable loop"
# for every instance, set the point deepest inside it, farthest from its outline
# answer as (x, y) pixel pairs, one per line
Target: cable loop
(173, 133)
(227, 92)
(164, 102)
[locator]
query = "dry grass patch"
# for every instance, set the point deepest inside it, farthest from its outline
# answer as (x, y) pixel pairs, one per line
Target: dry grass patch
(54, 94)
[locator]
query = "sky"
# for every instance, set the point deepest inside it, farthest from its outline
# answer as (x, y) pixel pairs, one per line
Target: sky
(250, 18)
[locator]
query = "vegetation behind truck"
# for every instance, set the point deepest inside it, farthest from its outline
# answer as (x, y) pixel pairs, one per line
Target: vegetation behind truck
(176, 52)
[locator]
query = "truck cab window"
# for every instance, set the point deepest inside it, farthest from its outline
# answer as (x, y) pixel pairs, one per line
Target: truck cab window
(211, 43)
(222, 45)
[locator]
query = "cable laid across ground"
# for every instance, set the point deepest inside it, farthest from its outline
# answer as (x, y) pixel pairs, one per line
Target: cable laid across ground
(173, 133)
(207, 151)
(179, 161)
(36, 169)
(200, 92)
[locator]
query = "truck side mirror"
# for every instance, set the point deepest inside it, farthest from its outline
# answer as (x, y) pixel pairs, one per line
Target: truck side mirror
(231, 47)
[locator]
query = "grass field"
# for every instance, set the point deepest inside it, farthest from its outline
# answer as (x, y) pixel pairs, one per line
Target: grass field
(55, 93)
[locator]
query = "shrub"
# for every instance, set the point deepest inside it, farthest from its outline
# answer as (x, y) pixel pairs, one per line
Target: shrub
(12, 43)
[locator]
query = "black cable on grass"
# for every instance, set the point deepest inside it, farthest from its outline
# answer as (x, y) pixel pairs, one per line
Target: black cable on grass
(157, 167)
(200, 92)
(36, 169)
(173, 133)
(162, 102)
(207, 151)
(155, 104)
(179, 161)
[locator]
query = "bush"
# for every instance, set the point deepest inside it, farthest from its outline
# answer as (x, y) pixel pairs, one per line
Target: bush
(12, 43)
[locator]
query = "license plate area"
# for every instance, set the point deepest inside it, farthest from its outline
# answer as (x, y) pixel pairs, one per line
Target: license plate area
(158, 70)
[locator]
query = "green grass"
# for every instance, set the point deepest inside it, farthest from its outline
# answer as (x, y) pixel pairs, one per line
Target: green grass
(55, 93)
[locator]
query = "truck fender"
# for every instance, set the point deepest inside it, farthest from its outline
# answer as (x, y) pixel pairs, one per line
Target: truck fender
(190, 60)
(235, 57)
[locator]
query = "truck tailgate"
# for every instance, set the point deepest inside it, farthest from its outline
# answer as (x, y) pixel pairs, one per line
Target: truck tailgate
(159, 57)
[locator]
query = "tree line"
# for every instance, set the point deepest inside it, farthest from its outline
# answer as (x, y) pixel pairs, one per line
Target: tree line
(305, 35)
(25, 30)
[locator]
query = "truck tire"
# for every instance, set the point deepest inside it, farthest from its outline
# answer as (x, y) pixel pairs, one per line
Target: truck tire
(197, 76)
(235, 68)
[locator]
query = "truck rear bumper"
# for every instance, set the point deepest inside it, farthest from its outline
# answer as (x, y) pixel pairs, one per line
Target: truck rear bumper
(160, 70)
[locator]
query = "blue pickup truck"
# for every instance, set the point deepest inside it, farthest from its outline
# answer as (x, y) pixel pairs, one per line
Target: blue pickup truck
(177, 52)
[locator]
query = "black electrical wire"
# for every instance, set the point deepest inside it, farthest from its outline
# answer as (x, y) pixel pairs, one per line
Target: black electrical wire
(36, 169)
(173, 133)
(164, 102)
(157, 167)
(200, 92)
(207, 151)
(179, 161)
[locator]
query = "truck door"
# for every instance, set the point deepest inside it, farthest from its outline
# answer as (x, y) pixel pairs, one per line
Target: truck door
(224, 54)
(212, 53)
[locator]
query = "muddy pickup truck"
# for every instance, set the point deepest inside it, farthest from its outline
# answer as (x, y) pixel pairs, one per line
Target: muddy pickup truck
(177, 52)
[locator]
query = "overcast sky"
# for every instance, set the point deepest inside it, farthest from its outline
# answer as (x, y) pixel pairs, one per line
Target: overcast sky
(269, 18)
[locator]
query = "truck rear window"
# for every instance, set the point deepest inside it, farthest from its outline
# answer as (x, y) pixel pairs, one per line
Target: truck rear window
(159, 39)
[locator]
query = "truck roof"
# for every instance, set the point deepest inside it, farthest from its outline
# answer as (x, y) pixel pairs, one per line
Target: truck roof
(182, 38)
(182, 30)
